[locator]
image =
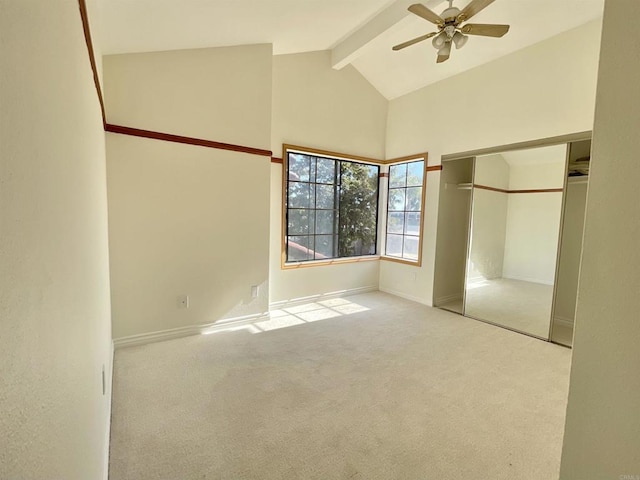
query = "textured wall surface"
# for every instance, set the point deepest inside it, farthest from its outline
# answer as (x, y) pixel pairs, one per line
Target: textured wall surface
(188, 220)
(602, 435)
(55, 332)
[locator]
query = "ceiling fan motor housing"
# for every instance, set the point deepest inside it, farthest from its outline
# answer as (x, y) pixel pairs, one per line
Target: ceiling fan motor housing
(450, 15)
(450, 31)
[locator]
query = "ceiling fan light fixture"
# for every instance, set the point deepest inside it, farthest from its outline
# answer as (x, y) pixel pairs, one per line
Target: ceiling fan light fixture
(460, 40)
(439, 40)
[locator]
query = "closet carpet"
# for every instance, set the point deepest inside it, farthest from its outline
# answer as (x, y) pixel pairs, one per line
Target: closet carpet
(523, 306)
(362, 387)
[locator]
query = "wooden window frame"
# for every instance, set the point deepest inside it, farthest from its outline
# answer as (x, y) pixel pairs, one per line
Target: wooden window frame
(286, 149)
(399, 161)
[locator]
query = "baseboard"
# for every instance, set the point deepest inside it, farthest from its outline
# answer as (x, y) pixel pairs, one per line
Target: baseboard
(407, 296)
(529, 280)
(162, 335)
(447, 299)
(563, 321)
(109, 394)
(323, 296)
(227, 323)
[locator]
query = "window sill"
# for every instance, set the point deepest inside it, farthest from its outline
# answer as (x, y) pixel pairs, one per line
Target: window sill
(413, 263)
(335, 261)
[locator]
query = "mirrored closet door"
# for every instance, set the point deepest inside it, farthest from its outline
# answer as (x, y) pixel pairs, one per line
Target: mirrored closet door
(509, 241)
(516, 216)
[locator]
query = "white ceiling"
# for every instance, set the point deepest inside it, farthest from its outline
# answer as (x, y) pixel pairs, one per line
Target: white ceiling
(292, 26)
(360, 32)
(397, 73)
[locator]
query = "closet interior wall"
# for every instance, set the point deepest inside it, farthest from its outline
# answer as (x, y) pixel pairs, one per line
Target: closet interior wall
(571, 245)
(453, 232)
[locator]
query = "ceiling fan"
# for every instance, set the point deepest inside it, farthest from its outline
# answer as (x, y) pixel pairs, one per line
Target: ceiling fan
(450, 29)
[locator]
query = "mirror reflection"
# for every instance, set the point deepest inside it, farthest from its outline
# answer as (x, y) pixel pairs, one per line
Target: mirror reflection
(515, 224)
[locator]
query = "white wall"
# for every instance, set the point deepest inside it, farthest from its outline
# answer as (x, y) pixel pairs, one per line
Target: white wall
(187, 220)
(221, 94)
(541, 176)
(533, 220)
(488, 229)
(531, 242)
(54, 281)
(602, 435)
(492, 171)
(489, 223)
(545, 90)
(319, 107)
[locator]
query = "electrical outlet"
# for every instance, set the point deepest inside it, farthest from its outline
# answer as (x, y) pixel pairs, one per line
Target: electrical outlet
(254, 291)
(183, 301)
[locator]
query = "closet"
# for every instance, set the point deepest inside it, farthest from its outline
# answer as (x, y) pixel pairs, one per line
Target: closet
(571, 242)
(454, 213)
(509, 237)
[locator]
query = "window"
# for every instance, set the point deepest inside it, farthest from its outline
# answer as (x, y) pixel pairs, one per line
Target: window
(331, 207)
(404, 211)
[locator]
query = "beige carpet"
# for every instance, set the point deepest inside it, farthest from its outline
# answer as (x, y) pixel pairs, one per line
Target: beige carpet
(523, 306)
(364, 387)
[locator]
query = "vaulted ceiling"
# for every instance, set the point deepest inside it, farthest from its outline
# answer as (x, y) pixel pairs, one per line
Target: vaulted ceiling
(358, 32)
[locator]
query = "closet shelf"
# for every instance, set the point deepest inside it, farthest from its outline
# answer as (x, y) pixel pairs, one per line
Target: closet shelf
(459, 186)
